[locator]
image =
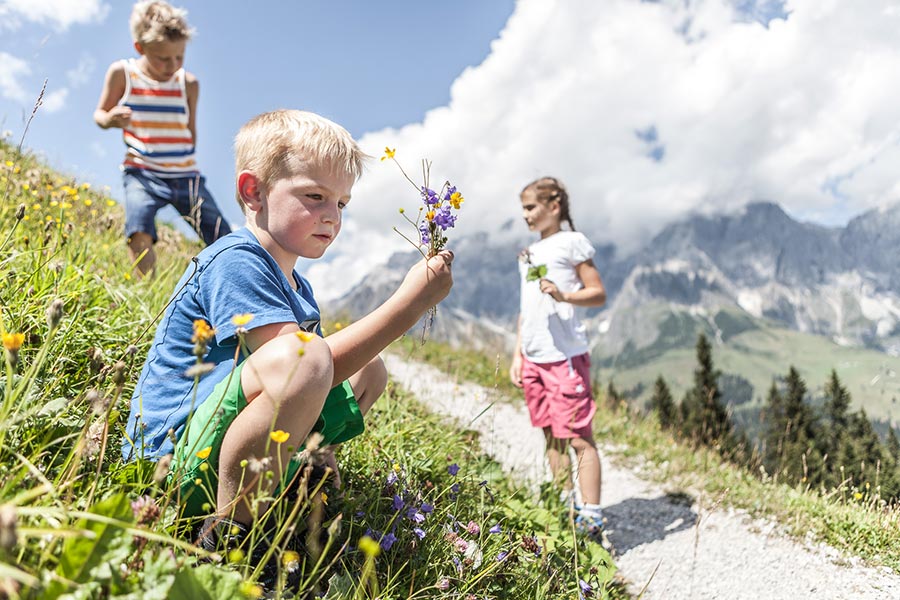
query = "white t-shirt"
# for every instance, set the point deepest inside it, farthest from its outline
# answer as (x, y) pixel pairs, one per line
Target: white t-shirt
(550, 330)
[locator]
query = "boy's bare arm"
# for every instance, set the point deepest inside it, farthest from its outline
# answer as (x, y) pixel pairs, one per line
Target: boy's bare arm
(192, 88)
(426, 284)
(108, 112)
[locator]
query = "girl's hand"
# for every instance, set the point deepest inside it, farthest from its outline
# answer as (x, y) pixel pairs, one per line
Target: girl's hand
(549, 288)
(515, 370)
(118, 116)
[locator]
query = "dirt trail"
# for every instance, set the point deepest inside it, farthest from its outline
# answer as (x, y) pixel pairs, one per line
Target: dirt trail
(685, 548)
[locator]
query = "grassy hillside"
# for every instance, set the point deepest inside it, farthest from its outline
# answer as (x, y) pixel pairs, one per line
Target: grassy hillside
(756, 351)
(420, 514)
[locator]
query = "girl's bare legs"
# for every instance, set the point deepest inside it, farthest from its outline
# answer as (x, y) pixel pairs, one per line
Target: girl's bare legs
(589, 468)
(558, 457)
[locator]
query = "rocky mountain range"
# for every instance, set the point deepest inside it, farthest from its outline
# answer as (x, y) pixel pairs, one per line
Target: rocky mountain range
(841, 283)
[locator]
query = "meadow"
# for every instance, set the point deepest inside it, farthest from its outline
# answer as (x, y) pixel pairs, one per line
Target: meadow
(420, 513)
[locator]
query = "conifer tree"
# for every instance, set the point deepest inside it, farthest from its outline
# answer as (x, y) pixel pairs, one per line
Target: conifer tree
(836, 422)
(801, 455)
(662, 403)
(705, 418)
(774, 430)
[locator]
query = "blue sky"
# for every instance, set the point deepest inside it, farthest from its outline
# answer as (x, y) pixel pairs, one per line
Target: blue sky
(647, 110)
(367, 65)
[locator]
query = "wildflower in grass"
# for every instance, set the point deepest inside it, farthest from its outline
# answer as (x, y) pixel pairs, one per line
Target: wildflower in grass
(586, 589)
(118, 372)
(12, 342)
(20, 212)
(858, 495)
(162, 469)
(415, 515)
(453, 469)
(203, 333)
(291, 561)
(90, 446)
(388, 153)
(496, 529)
(199, 370)
(392, 478)
(258, 465)
(202, 454)
(369, 546)
(240, 322)
(419, 532)
(251, 590)
(397, 503)
(279, 436)
(145, 510)
(54, 313)
(235, 555)
(99, 403)
(501, 556)
(387, 541)
(473, 528)
(426, 508)
(460, 545)
(443, 584)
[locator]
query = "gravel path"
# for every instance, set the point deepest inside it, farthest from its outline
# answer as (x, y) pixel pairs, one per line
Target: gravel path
(686, 548)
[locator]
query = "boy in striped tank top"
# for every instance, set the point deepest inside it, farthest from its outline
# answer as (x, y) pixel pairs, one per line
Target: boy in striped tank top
(153, 100)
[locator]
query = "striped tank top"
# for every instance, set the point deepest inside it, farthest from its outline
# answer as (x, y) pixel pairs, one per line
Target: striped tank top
(158, 137)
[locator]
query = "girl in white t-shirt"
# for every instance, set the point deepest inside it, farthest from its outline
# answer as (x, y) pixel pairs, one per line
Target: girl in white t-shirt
(551, 361)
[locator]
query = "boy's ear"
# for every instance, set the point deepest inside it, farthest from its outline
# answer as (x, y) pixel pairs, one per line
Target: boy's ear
(139, 48)
(249, 188)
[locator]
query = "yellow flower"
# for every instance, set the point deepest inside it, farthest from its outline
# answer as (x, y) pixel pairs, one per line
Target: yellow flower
(251, 590)
(241, 320)
(235, 555)
(305, 336)
(13, 341)
(858, 496)
(369, 546)
(88, 201)
(388, 153)
(127, 276)
(9, 163)
(202, 332)
(205, 452)
(110, 202)
(324, 498)
(456, 199)
(279, 437)
(290, 559)
(26, 187)
(85, 186)
(429, 215)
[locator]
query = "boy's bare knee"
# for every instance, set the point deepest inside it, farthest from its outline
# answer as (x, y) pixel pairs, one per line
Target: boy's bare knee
(287, 367)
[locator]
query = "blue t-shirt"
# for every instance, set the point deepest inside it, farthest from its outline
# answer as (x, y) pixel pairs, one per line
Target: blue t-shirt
(233, 276)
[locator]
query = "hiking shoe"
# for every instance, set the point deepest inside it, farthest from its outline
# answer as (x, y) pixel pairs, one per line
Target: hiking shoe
(224, 535)
(592, 526)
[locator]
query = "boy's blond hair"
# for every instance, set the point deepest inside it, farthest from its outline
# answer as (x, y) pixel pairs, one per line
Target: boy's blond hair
(155, 21)
(277, 144)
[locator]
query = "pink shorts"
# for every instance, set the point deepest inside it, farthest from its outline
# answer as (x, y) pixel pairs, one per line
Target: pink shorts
(558, 396)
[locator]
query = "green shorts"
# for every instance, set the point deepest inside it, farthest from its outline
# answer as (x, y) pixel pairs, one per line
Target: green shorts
(339, 421)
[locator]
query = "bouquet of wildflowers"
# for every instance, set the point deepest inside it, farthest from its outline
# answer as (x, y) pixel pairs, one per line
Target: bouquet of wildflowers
(436, 213)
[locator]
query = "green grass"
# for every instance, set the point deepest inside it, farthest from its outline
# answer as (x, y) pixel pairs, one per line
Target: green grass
(75, 521)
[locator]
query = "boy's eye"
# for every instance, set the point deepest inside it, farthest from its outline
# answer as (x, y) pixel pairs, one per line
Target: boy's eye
(342, 205)
(314, 196)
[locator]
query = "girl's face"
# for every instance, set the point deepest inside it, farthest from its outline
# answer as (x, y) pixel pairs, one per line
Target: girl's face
(542, 217)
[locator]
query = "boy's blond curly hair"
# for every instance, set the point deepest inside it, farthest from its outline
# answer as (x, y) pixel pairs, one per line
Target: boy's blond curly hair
(155, 21)
(277, 144)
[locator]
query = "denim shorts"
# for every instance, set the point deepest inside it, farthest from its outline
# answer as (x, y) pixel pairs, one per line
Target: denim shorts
(147, 192)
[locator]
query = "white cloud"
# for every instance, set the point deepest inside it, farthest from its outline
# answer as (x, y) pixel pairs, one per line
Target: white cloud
(60, 14)
(11, 70)
(803, 111)
(55, 100)
(82, 72)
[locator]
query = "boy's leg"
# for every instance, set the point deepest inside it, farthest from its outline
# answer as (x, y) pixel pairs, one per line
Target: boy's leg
(367, 384)
(194, 202)
(284, 391)
(145, 194)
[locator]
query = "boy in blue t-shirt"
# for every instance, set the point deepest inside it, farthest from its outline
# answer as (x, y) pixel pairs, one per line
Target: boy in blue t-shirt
(267, 378)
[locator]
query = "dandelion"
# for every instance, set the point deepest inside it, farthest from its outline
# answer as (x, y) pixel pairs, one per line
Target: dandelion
(203, 454)
(369, 546)
(203, 333)
(279, 436)
(242, 319)
(110, 203)
(858, 495)
(291, 561)
(13, 341)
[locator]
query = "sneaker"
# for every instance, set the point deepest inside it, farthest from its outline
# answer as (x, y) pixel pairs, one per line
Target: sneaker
(223, 535)
(593, 527)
